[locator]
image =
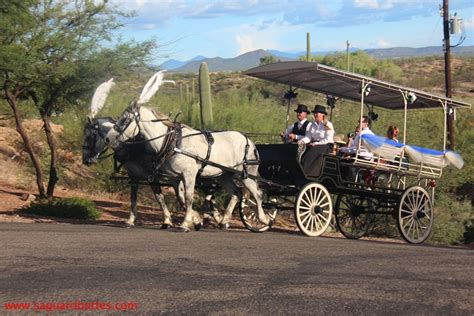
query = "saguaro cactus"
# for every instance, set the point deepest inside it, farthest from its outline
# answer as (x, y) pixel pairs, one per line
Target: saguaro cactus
(188, 98)
(308, 48)
(205, 96)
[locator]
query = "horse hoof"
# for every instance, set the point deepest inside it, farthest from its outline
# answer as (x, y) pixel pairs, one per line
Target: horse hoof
(198, 226)
(271, 222)
(207, 222)
(182, 229)
(224, 226)
(165, 226)
(128, 225)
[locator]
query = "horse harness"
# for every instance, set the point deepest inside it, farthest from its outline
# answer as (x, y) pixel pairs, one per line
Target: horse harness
(172, 144)
(210, 142)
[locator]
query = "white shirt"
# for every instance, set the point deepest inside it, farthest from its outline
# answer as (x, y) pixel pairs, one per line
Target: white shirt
(355, 143)
(289, 130)
(319, 133)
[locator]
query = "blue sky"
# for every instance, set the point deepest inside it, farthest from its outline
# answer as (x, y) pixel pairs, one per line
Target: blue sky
(228, 28)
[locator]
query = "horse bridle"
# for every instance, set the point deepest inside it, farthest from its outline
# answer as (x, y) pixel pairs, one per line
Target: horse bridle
(124, 122)
(94, 126)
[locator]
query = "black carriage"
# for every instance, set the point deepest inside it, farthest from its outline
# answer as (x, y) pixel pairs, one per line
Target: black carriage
(360, 187)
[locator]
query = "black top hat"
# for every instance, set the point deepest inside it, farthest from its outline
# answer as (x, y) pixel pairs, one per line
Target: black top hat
(302, 108)
(320, 109)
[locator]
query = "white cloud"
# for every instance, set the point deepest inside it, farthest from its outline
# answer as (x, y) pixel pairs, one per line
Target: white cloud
(246, 43)
(334, 13)
(469, 22)
(253, 36)
(382, 43)
(140, 3)
(371, 4)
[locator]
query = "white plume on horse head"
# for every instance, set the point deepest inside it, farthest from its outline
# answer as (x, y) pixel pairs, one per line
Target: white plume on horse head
(100, 95)
(152, 86)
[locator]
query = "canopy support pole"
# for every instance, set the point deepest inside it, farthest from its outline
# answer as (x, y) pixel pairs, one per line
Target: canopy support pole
(444, 105)
(363, 89)
(405, 109)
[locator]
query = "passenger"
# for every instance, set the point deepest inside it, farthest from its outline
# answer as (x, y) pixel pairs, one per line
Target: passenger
(351, 136)
(319, 139)
(296, 132)
(321, 131)
(392, 133)
(350, 151)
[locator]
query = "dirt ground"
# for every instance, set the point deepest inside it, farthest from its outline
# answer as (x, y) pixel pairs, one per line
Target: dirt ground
(114, 212)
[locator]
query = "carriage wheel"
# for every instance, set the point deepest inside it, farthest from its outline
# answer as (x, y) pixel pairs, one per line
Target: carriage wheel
(249, 213)
(353, 215)
(415, 215)
(313, 209)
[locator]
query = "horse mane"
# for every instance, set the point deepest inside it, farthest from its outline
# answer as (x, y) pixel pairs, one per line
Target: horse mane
(165, 119)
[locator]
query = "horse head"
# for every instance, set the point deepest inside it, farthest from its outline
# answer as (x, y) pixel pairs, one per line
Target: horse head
(94, 144)
(95, 129)
(126, 126)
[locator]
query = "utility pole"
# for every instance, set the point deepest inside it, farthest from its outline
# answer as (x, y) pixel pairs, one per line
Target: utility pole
(447, 73)
(347, 53)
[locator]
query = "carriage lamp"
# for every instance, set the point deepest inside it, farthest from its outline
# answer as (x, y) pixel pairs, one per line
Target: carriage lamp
(366, 90)
(432, 183)
(290, 94)
(411, 97)
(373, 116)
(331, 101)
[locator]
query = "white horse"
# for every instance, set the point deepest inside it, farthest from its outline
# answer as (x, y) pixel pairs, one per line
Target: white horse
(137, 163)
(190, 153)
(135, 160)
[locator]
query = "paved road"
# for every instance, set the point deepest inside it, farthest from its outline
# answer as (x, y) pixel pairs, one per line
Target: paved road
(144, 270)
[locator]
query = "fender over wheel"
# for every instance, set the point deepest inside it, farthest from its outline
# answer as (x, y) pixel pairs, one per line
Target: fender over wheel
(415, 215)
(313, 209)
(353, 215)
(248, 212)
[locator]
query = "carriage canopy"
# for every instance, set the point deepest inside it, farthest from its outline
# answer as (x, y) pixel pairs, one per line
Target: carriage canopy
(324, 79)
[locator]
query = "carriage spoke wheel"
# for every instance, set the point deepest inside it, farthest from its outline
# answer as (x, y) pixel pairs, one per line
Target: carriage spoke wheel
(249, 213)
(313, 209)
(415, 215)
(353, 215)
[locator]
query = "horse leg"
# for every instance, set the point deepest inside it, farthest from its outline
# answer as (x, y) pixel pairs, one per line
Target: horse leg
(252, 186)
(167, 222)
(191, 217)
(229, 185)
(211, 212)
(133, 205)
(178, 187)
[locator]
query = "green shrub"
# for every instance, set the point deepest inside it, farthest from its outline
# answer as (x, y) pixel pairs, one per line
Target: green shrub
(77, 208)
(451, 221)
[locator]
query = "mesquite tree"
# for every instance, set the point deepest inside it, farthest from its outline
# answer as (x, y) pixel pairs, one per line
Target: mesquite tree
(52, 54)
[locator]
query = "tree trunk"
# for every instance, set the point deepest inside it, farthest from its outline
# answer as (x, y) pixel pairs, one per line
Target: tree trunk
(12, 101)
(53, 174)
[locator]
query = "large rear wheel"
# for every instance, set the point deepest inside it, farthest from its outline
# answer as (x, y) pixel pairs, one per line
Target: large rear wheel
(313, 209)
(353, 215)
(415, 215)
